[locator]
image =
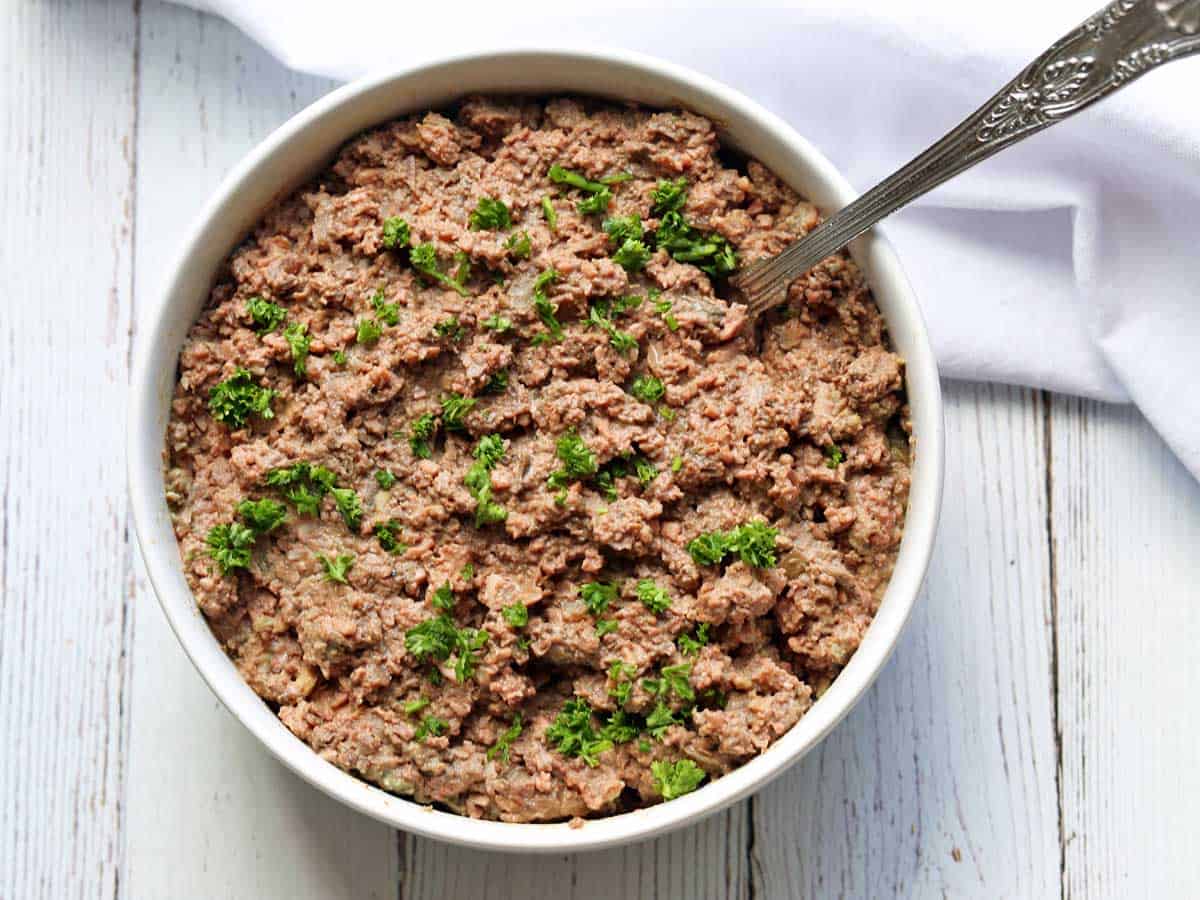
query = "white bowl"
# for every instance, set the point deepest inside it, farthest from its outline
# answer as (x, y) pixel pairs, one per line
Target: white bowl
(301, 148)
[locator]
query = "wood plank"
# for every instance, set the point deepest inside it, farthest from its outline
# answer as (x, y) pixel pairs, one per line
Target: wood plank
(211, 814)
(1126, 526)
(708, 860)
(942, 782)
(66, 122)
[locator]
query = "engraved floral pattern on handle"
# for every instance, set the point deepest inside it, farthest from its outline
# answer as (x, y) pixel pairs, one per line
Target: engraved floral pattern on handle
(1124, 40)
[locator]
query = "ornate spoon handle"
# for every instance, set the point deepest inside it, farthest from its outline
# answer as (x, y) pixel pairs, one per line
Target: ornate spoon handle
(1120, 43)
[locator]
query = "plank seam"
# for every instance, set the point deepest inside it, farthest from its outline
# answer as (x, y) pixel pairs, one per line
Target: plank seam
(126, 656)
(1052, 574)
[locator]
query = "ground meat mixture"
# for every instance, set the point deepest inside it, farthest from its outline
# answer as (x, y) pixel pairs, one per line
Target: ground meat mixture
(491, 490)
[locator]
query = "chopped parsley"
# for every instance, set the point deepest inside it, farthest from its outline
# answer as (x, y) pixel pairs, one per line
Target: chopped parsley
(675, 679)
(660, 719)
(834, 456)
(648, 389)
(498, 324)
(384, 479)
(336, 568)
(619, 728)
(339, 357)
(676, 779)
(547, 310)
(349, 506)
(235, 399)
(265, 315)
(519, 245)
(443, 598)
(516, 615)
(467, 572)
(435, 639)
(454, 410)
(449, 328)
(597, 596)
(645, 471)
(668, 196)
(663, 308)
(420, 432)
(711, 253)
(550, 214)
(600, 195)
(676, 463)
(415, 706)
(488, 452)
(303, 485)
(655, 598)
(754, 542)
(497, 383)
(623, 228)
(559, 175)
(622, 341)
(489, 214)
(505, 741)
(262, 515)
(368, 332)
(387, 313)
(617, 178)
(619, 672)
(386, 533)
(424, 260)
(230, 544)
(396, 233)
(578, 462)
(431, 725)
(605, 626)
(596, 203)
(573, 735)
(689, 645)
(296, 334)
(632, 256)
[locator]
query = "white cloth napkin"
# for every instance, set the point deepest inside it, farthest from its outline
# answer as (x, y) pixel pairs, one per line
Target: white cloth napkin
(1070, 262)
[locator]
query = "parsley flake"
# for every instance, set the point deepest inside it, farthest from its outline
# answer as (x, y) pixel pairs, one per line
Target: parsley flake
(490, 214)
(648, 389)
(655, 598)
(505, 741)
(516, 615)
(337, 568)
(386, 533)
(235, 399)
(296, 334)
(424, 260)
(387, 313)
(676, 779)
(420, 432)
(519, 245)
(368, 332)
(573, 735)
(384, 479)
(454, 410)
(597, 596)
(265, 315)
(230, 545)
(396, 233)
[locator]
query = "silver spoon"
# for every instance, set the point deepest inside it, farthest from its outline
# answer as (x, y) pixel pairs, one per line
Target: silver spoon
(1123, 41)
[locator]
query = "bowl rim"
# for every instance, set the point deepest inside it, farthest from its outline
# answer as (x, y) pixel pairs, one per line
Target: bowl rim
(154, 368)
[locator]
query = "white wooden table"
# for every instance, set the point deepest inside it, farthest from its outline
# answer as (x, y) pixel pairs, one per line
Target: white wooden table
(1034, 735)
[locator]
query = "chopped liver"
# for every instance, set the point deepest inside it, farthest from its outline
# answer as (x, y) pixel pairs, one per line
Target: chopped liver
(599, 474)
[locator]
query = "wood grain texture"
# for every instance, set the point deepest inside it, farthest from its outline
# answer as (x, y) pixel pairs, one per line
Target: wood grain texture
(708, 860)
(942, 782)
(1126, 530)
(198, 781)
(66, 125)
